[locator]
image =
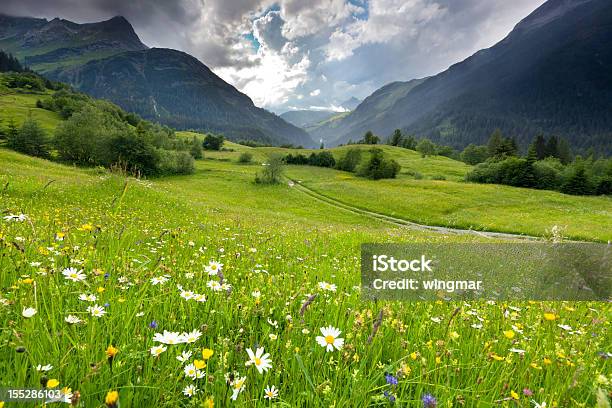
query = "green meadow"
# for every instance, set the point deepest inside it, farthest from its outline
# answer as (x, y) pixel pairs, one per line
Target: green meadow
(170, 270)
(164, 289)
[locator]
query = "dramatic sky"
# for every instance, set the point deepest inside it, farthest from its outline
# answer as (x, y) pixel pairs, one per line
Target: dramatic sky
(289, 54)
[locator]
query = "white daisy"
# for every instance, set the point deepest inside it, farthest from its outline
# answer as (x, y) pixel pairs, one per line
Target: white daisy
(270, 392)
(74, 275)
(191, 337)
(327, 286)
(28, 312)
(88, 297)
(16, 217)
(71, 319)
(191, 371)
(96, 311)
(168, 337)
(44, 368)
(261, 361)
(213, 268)
(160, 280)
(190, 390)
(330, 339)
(157, 350)
(184, 356)
(238, 387)
(214, 285)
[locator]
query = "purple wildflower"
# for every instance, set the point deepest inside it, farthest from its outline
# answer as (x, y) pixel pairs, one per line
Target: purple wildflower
(153, 325)
(429, 401)
(390, 379)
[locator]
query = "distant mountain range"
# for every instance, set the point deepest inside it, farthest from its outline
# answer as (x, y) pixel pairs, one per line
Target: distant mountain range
(108, 60)
(550, 75)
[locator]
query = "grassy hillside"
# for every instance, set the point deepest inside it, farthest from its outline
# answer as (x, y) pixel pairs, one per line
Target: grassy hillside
(17, 106)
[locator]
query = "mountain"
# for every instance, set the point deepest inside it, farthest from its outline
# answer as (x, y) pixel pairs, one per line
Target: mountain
(108, 60)
(550, 74)
(306, 118)
(351, 103)
(352, 125)
(45, 45)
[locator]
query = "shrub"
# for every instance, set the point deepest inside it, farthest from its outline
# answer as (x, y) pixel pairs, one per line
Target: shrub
(473, 154)
(350, 160)
(175, 162)
(298, 159)
(426, 147)
(379, 167)
(272, 171)
(245, 158)
(212, 142)
(322, 159)
(29, 139)
(196, 149)
(134, 154)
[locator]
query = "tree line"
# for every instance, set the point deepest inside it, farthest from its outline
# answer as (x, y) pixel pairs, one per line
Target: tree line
(96, 133)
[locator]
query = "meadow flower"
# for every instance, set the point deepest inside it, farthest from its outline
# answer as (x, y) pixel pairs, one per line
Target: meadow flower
(72, 319)
(238, 387)
(112, 399)
(261, 361)
(52, 383)
(199, 297)
(191, 371)
(190, 390)
(88, 297)
(330, 339)
(390, 379)
(184, 356)
(157, 350)
(111, 352)
(199, 364)
(509, 334)
(550, 316)
(214, 285)
(538, 405)
(168, 337)
(96, 311)
(28, 312)
(327, 286)
(270, 392)
(153, 325)
(160, 280)
(429, 401)
(15, 217)
(192, 336)
(185, 294)
(207, 353)
(213, 268)
(74, 275)
(44, 368)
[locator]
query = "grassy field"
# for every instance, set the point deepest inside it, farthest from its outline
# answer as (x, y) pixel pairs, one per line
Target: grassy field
(451, 202)
(146, 246)
(17, 106)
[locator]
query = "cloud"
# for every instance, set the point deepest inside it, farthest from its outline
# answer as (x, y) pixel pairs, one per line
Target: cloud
(387, 20)
(306, 53)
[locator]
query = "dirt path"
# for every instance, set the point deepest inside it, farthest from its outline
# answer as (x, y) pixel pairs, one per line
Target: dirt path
(404, 223)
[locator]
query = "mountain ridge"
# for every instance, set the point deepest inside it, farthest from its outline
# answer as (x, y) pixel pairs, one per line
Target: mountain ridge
(546, 76)
(107, 60)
